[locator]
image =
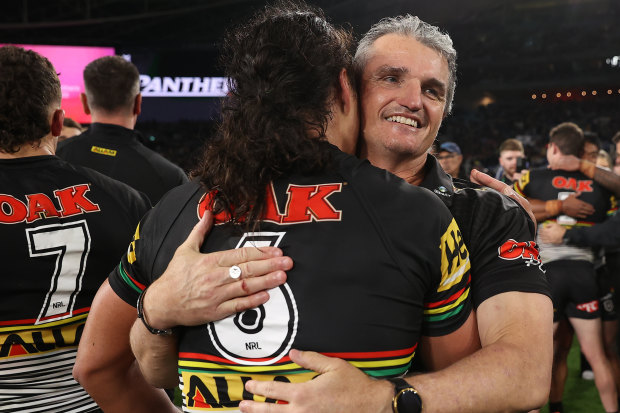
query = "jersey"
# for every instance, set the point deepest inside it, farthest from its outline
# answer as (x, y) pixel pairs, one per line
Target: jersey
(497, 232)
(546, 184)
(117, 152)
(63, 228)
(360, 288)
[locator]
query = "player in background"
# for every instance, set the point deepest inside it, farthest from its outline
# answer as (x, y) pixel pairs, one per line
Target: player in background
(62, 226)
(570, 269)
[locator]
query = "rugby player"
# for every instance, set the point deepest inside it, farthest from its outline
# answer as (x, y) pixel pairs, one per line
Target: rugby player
(61, 226)
(570, 269)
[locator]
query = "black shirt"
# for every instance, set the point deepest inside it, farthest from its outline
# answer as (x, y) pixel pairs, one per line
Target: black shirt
(116, 151)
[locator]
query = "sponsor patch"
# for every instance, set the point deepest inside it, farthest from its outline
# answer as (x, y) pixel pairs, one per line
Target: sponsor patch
(525, 250)
(103, 151)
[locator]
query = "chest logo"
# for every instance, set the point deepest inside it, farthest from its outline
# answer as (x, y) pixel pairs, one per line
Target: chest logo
(561, 182)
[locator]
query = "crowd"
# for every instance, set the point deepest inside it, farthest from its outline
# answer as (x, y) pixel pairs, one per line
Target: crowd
(368, 292)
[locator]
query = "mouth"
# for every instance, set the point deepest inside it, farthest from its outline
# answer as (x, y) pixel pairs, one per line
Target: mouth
(403, 120)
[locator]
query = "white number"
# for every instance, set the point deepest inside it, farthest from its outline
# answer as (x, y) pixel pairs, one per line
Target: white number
(70, 243)
(262, 335)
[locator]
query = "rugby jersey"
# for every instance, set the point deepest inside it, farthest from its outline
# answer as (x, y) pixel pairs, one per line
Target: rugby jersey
(62, 228)
(498, 233)
(546, 184)
(360, 288)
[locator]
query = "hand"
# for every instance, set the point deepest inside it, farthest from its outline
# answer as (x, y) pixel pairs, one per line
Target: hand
(483, 179)
(339, 387)
(196, 288)
(576, 208)
(552, 233)
(564, 162)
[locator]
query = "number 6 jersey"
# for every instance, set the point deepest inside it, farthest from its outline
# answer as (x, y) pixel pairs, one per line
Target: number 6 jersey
(62, 229)
(366, 274)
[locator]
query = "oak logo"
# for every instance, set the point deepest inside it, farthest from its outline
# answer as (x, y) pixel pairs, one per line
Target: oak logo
(561, 182)
(305, 203)
(72, 201)
(526, 250)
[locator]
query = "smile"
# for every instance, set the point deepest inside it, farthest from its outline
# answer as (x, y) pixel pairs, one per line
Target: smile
(403, 120)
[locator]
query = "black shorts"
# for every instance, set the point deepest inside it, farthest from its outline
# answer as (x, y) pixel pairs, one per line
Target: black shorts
(607, 293)
(574, 289)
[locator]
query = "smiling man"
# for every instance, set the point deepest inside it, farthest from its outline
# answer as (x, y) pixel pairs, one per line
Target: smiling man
(407, 73)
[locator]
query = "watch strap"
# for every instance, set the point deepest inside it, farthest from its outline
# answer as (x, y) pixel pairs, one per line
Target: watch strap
(406, 398)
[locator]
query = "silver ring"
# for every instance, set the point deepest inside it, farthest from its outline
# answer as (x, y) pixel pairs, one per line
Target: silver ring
(234, 272)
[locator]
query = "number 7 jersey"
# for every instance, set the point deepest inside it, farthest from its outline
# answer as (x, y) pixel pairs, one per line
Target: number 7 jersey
(367, 274)
(62, 229)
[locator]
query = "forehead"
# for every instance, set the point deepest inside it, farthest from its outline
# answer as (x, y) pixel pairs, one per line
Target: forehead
(400, 51)
(510, 154)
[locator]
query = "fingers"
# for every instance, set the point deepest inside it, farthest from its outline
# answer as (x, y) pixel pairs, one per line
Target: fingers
(196, 237)
(265, 266)
(314, 361)
(246, 293)
(247, 406)
(241, 255)
(272, 390)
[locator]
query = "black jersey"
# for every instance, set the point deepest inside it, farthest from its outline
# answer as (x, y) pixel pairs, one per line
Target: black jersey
(497, 232)
(62, 228)
(546, 184)
(116, 151)
(360, 289)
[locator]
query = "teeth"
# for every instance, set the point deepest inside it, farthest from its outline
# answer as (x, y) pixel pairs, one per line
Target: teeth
(404, 120)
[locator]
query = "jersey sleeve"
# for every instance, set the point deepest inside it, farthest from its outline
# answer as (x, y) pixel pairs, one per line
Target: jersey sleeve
(504, 255)
(129, 278)
(521, 186)
(448, 304)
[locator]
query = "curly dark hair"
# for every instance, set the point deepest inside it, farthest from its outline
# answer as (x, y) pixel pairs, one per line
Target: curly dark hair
(111, 83)
(29, 90)
(283, 68)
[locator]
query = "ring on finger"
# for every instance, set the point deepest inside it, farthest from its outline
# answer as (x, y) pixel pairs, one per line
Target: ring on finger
(234, 272)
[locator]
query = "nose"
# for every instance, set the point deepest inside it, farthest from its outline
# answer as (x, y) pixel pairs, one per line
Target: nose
(411, 95)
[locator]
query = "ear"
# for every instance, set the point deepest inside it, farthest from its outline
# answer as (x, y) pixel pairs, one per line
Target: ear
(347, 94)
(137, 104)
(84, 101)
(57, 118)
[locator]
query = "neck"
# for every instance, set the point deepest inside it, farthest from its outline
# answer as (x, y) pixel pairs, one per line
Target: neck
(46, 146)
(407, 168)
(126, 121)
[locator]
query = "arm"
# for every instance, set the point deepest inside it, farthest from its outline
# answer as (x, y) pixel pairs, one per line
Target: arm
(604, 177)
(606, 234)
(570, 206)
(512, 371)
(105, 366)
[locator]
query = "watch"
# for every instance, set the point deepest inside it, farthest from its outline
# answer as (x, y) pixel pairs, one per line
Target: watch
(406, 398)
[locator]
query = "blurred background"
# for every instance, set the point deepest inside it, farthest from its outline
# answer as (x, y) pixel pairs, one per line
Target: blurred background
(524, 65)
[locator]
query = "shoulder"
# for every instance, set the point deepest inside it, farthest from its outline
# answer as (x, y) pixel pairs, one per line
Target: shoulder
(124, 195)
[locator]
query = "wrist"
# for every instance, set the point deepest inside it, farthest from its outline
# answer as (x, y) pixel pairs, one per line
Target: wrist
(145, 313)
(587, 168)
(553, 207)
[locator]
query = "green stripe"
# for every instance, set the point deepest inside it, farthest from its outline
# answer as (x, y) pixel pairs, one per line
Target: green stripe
(387, 372)
(439, 317)
(127, 279)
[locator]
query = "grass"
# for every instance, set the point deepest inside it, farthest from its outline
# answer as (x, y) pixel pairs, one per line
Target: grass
(580, 396)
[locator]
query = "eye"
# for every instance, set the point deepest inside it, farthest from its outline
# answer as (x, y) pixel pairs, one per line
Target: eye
(390, 79)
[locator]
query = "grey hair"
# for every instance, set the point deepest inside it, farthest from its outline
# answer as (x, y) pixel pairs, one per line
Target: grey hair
(408, 25)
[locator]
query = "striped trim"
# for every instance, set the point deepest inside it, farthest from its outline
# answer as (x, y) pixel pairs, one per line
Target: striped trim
(27, 325)
(129, 280)
(462, 296)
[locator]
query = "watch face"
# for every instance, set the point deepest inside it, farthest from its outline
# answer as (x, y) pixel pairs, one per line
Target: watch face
(409, 402)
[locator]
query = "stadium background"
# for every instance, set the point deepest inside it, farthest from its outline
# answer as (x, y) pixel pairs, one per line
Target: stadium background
(524, 66)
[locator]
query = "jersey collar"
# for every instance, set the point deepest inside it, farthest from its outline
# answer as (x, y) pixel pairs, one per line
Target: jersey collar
(437, 181)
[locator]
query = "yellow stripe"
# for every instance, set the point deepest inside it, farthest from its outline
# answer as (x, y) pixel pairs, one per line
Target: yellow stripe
(45, 325)
(290, 366)
(448, 307)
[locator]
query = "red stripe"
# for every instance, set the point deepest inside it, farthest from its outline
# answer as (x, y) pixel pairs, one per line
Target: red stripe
(141, 286)
(31, 321)
(287, 359)
(451, 298)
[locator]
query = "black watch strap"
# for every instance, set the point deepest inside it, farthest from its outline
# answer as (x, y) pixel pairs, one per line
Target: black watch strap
(142, 316)
(406, 398)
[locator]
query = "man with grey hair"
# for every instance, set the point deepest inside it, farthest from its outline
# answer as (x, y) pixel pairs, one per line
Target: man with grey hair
(111, 145)
(407, 76)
